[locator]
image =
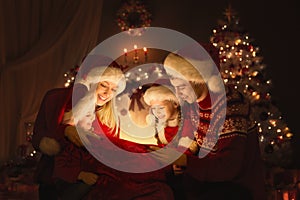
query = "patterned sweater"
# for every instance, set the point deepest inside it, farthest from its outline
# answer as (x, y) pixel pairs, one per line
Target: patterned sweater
(229, 149)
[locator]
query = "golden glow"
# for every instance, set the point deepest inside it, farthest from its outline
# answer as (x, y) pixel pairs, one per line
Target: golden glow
(238, 41)
(278, 131)
(254, 73)
(273, 122)
(289, 135)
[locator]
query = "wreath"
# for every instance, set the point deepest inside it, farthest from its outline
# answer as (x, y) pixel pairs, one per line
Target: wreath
(133, 14)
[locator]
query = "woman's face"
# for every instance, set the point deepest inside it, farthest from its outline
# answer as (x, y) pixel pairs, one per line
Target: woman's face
(164, 110)
(105, 92)
(184, 90)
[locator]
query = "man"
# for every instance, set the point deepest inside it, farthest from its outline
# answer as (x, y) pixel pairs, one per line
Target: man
(228, 165)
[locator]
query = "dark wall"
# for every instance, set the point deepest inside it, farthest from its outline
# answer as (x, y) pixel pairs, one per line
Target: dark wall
(271, 25)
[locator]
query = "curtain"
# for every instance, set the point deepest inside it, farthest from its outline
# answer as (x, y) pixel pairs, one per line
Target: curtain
(39, 42)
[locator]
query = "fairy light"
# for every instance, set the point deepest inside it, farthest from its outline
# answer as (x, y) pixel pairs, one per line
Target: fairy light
(278, 130)
(241, 66)
(289, 135)
(238, 41)
(273, 122)
(262, 138)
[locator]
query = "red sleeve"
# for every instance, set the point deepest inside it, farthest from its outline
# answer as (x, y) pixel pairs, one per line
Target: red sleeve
(224, 164)
(68, 163)
(41, 127)
(47, 123)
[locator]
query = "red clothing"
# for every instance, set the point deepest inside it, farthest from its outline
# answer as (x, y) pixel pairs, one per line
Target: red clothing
(236, 155)
(48, 124)
(112, 182)
(174, 134)
(170, 133)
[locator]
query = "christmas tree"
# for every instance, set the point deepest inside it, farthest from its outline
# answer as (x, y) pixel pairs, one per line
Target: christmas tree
(242, 66)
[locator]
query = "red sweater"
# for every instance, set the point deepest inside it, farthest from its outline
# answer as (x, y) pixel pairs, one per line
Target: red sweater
(233, 152)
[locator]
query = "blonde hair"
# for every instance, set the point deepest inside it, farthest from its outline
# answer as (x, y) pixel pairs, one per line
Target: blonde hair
(87, 104)
(103, 73)
(159, 93)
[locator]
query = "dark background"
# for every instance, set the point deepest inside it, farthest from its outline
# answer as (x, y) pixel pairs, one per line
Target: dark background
(273, 26)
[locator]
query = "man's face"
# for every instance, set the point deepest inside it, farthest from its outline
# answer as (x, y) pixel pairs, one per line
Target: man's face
(184, 90)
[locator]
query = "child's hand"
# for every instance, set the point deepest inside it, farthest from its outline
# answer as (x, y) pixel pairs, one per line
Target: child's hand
(177, 169)
(88, 177)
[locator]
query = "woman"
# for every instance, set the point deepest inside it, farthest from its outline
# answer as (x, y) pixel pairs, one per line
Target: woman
(77, 170)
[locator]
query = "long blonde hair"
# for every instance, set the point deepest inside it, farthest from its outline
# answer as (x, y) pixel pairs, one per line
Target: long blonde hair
(107, 114)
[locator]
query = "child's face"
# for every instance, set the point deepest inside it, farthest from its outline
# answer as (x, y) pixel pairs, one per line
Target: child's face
(105, 92)
(86, 122)
(184, 90)
(163, 110)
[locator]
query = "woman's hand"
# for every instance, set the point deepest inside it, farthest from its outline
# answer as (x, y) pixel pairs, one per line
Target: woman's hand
(88, 177)
(72, 134)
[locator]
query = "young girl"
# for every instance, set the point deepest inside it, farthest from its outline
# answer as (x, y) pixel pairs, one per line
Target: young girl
(165, 108)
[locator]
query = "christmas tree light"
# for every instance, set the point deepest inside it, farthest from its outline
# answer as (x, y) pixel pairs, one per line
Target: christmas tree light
(242, 66)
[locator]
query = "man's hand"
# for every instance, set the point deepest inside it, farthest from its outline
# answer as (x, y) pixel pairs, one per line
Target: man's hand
(72, 134)
(168, 155)
(88, 177)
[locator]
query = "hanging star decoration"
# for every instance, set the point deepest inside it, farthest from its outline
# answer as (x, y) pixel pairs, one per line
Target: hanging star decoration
(230, 13)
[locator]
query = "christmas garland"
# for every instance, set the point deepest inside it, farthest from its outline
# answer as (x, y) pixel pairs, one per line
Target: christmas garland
(133, 14)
